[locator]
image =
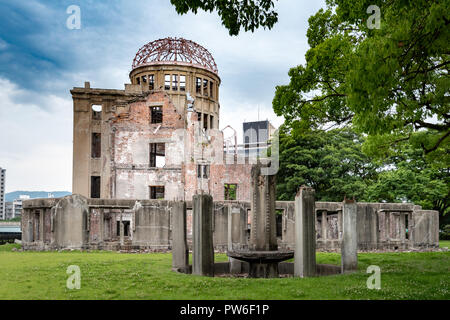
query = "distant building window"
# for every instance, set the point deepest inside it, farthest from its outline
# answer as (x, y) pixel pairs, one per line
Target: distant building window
(205, 121)
(167, 82)
(156, 114)
(96, 112)
(205, 87)
(198, 85)
(144, 79)
(96, 145)
(211, 122)
(138, 80)
(95, 187)
(157, 192)
(182, 83)
(211, 88)
(203, 171)
(175, 82)
(157, 155)
(151, 82)
(230, 191)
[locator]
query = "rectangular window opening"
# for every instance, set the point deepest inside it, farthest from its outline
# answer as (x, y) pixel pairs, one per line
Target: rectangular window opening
(157, 155)
(96, 145)
(205, 87)
(211, 122)
(151, 82)
(95, 187)
(167, 82)
(96, 112)
(156, 114)
(182, 83)
(205, 121)
(211, 88)
(126, 228)
(157, 192)
(230, 191)
(175, 82)
(198, 85)
(203, 171)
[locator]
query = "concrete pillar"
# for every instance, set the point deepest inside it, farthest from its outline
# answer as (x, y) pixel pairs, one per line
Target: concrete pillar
(349, 246)
(340, 224)
(387, 225)
(305, 234)
(202, 246)
(101, 220)
(180, 251)
(263, 235)
(402, 227)
(324, 226)
(233, 226)
(122, 240)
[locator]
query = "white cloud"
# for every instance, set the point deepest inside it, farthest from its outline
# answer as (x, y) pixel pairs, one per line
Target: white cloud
(36, 126)
(36, 143)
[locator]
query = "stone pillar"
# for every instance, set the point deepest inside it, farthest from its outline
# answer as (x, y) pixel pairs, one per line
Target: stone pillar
(263, 235)
(387, 225)
(305, 234)
(180, 250)
(202, 242)
(324, 226)
(233, 227)
(122, 240)
(349, 246)
(340, 224)
(101, 221)
(402, 227)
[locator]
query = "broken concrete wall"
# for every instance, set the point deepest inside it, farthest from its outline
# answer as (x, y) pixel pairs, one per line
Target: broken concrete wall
(77, 222)
(133, 133)
(380, 226)
(152, 225)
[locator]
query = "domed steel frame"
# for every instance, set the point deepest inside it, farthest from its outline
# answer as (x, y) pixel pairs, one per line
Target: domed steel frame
(175, 51)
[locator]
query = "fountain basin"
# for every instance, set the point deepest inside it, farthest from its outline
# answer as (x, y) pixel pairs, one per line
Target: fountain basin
(262, 264)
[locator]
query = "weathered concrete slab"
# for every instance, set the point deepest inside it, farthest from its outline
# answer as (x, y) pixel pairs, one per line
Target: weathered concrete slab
(203, 251)
(305, 235)
(180, 251)
(349, 251)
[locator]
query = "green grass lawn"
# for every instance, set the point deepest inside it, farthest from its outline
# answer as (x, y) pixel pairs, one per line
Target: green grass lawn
(108, 275)
(444, 243)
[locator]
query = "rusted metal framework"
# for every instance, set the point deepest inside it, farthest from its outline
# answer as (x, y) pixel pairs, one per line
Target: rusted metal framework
(175, 51)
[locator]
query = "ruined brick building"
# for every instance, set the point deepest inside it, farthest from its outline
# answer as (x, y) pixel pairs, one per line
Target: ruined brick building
(158, 138)
(140, 154)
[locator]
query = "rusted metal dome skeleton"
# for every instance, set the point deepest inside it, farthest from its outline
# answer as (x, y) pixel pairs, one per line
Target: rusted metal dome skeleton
(175, 51)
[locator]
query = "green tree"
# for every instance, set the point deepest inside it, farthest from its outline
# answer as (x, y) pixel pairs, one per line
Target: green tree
(235, 14)
(390, 83)
(407, 176)
(331, 162)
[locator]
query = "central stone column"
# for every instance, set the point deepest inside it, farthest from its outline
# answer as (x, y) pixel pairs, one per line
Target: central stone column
(263, 255)
(263, 235)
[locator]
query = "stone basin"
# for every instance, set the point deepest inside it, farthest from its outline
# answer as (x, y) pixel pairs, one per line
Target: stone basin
(262, 264)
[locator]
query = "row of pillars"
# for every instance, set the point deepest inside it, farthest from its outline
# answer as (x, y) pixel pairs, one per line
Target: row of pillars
(305, 235)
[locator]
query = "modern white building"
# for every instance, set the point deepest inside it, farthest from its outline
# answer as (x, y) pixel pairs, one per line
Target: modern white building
(2, 193)
(13, 209)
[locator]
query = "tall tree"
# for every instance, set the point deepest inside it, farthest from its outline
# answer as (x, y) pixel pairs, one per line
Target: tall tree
(331, 162)
(389, 83)
(235, 14)
(408, 177)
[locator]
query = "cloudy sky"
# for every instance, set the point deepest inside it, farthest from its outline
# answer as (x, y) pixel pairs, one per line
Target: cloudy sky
(41, 60)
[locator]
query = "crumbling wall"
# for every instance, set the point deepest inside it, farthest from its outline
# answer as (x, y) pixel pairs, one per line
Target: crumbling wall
(75, 222)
